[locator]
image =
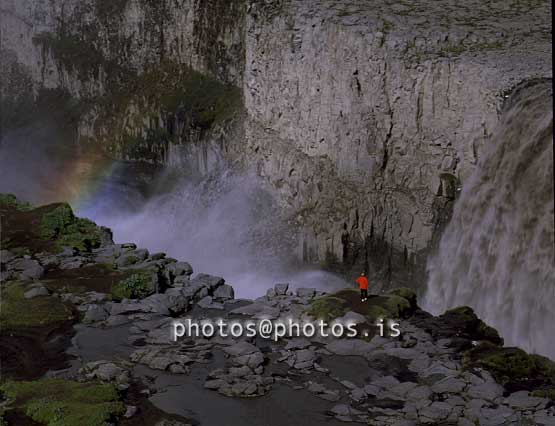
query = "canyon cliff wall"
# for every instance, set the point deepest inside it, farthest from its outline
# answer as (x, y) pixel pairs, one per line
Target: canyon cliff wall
(366, 117)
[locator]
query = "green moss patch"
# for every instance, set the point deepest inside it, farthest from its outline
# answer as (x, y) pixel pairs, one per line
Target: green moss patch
(11, 201)
(399, 303)
(137, 286)
(18, 313)
(167, 90)
(327, 308)
(74, 53)
(56, 402)
(388, 306)
(47, 228)
(512, 367)
(61, 225)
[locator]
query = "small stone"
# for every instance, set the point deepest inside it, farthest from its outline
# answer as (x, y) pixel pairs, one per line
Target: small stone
(241, 348)
(224, 292)
(281, 289)
(38, 290)
(449, 385)
(214, 384)
(95, 313)
(487, 390)
(130, 411)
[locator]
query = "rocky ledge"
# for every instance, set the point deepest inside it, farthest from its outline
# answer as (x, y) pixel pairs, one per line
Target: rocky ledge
(59, 270)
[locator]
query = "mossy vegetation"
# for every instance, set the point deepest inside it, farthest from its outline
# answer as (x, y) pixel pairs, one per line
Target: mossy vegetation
(56, 402)
(389, 306)
(327, 308)
(61, 225)
(46, 228)
(74, 53)
(174, 87)
(172, 97)
(399, 303)
(137, 286)
(11, 201)
(512, 367)
(464, 322)
(18, 313)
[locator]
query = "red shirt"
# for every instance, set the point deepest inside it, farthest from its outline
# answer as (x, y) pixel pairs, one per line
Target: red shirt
(362, 282)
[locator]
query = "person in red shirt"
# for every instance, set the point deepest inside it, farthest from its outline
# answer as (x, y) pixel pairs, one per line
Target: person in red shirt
(362, 282)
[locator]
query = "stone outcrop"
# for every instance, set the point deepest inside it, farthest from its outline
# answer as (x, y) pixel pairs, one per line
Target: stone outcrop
(365, 118)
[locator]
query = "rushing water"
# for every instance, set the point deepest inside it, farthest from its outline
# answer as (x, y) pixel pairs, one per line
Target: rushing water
(497, 253)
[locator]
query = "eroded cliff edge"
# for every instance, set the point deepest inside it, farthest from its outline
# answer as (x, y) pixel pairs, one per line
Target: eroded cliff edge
(365, 118)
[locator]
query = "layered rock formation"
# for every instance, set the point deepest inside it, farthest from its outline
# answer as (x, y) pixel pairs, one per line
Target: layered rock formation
(365, 118)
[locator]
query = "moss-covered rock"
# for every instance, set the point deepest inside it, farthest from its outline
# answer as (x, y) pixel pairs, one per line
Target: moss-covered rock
(61, 225)
(11, 201)
(392, 305)
(513, 367)
(18, 313)
(327, 308)
(406, 293)
(137, 286)
(461, 323)
(388, 306)
(56, 402)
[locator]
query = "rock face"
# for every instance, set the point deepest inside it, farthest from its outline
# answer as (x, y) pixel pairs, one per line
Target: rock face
(364, 118)
(367, 115)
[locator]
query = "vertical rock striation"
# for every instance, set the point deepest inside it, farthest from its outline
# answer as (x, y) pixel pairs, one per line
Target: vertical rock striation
(365, 118)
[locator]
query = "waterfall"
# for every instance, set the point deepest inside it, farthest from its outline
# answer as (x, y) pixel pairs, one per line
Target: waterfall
(497, 253)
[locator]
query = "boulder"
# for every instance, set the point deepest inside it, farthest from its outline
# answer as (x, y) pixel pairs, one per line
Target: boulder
(306, 292)
(142, 254)
(167, 303)
(127, 259)
(95, 313)
(178, 269)
(224, 292)
(207, 302)
(241, 348)
(35, 291)
(209, 281)
(6, 256)
(74, 262)
(27, 268)
(281, 289)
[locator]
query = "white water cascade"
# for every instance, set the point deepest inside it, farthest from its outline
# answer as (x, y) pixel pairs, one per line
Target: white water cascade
(224, 224)
(497, 253)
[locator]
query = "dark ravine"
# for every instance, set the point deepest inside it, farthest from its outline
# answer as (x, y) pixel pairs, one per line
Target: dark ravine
(451, 369)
